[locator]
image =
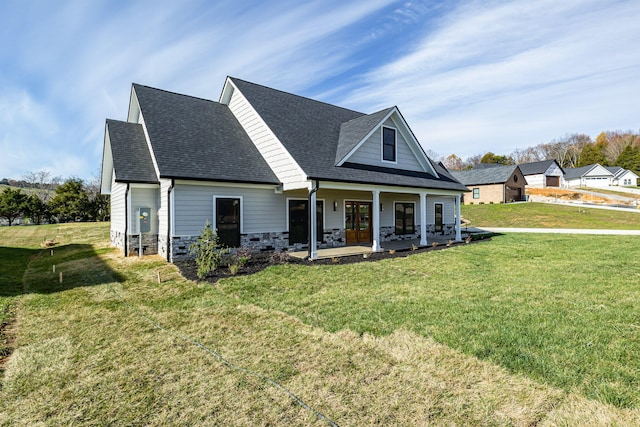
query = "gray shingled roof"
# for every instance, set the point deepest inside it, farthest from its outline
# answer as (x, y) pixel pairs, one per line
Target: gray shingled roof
(573, 173)
(131, 158)
(194, 138)
(310, 131)
(535, 168)
(484, 176)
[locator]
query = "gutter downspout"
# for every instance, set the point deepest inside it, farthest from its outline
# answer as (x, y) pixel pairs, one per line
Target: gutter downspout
(312, 224)
(126, 221)
(169, 191)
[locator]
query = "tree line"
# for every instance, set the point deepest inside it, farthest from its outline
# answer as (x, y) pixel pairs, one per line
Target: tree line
(615, 148)
(41, 198)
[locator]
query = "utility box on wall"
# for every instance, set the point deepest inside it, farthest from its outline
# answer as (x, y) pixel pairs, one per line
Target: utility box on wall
(144, 216)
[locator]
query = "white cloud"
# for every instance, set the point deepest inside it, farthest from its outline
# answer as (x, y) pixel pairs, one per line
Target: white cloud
(507, 75)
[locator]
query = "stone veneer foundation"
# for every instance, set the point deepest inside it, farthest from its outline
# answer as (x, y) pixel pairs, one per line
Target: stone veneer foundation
(267, 242)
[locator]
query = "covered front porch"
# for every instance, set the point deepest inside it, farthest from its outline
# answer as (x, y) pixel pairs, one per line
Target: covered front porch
(355, 219)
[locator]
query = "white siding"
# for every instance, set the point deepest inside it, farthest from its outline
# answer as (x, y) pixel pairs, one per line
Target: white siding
(280, 161)
(536, 180)
(554, 170)
(370, 152)
(118, 218)
(262, 209)
(144, 198)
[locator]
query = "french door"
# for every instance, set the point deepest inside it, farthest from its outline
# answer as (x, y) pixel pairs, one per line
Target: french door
(358, 223)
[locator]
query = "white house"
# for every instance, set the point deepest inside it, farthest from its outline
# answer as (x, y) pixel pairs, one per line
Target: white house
(588, 176)
(546, 173)
(255, 161)
(623, 177)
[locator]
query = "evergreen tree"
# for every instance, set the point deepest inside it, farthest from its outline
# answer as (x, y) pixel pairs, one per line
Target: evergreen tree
(71, 202)
(630, 159)
(592, 154)
(12, 204)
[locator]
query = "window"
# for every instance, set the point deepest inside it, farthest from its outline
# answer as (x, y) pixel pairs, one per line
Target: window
(476, 193)
(388, 144)
(405, 213)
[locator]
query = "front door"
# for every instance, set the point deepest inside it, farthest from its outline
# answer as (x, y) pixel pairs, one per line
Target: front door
(228, 221)
(358, 223)
(299, 220)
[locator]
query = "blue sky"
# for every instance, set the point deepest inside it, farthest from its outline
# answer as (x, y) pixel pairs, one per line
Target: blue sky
(468, 76)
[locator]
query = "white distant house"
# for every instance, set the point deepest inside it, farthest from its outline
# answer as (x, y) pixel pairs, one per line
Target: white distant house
(546, 173)
(623, 177)
(588, 176)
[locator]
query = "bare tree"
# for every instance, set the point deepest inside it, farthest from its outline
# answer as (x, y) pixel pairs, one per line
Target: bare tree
(43, 183)
(526, 155)
(453, 162)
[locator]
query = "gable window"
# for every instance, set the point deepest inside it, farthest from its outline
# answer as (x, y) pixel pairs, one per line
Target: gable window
(476, 193)
(405, 213)
(388, 144)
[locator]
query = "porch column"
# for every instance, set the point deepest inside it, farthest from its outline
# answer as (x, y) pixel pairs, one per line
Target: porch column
(458, 231)
(313, 220)
(423, 219)
(375, 247)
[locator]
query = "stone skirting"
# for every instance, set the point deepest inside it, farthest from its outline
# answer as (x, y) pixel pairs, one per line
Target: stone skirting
(274, 241)
(149, 244)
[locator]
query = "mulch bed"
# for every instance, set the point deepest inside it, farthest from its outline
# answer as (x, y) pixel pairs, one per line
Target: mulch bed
(259, 262)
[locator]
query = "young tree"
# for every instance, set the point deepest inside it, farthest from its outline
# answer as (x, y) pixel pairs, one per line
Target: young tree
(12, 204)
(70, 203)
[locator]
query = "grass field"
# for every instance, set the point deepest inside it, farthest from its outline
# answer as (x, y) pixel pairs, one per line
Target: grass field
(502, 332)
(543, 215)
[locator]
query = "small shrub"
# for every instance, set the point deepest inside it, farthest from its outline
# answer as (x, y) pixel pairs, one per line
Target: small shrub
(239, 259)
(207, 251)
(280, 257)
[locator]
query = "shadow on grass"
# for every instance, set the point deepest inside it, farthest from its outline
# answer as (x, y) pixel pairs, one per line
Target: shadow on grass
(25, 270)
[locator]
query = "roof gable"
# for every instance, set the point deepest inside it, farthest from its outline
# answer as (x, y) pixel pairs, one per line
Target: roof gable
(535, 168)
(129, 152)
(310, 131)
(364, 133)
(589, 170)
(194, 138)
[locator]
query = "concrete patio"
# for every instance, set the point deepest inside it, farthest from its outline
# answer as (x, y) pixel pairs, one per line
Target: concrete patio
(397, 245)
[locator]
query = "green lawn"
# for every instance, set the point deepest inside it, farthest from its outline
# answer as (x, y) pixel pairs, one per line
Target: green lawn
(544, 215)
(503, 332)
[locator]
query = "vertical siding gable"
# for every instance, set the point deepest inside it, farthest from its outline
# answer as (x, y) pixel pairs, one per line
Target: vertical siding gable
(276, 156)
(370, 152)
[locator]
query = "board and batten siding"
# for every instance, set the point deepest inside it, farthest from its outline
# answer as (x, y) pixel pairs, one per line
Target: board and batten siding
(280, 161)
(118, 217)
(144, 198)
(262, 209)
(370, 152)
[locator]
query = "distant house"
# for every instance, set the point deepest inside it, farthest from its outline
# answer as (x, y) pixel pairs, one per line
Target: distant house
(623, 177)
(498, 184)
(546, 173)
(588, 176)
(269, 170)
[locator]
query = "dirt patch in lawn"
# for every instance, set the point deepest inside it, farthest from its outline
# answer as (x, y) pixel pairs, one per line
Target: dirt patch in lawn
(259, 262)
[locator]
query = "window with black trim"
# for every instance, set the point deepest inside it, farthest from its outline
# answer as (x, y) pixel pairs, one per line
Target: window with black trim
(388, 144)
(405, 214)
